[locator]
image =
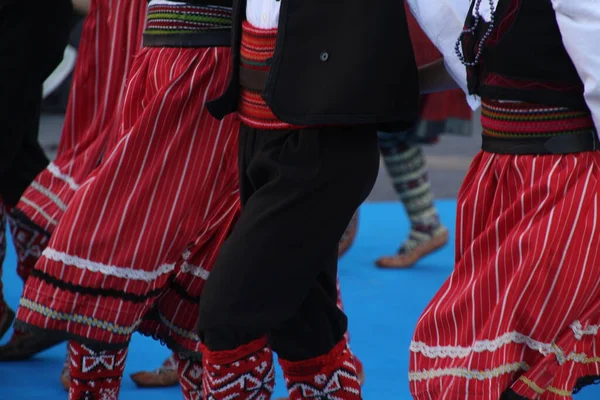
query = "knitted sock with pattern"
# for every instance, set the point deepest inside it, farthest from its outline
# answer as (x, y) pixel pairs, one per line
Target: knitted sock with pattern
(330, 376)
(190, 377)
(95, 375)
(407, 167)
(244, 373)
(29, 241)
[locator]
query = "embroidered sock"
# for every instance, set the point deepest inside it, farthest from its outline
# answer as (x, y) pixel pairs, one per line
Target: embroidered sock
(330, 377)
(244, 373)
(29, 242)
(95, 375)
(408, 169)
(190, 378)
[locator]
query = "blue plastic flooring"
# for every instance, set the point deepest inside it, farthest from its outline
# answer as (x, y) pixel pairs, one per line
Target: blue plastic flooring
(383, 307)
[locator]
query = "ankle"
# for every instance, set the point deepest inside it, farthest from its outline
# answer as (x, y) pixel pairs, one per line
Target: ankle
(333, 374)
(250, 364)
(95, 374)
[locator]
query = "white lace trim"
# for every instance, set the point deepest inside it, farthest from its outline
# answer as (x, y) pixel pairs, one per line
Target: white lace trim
(54, 170)
(468, 373)
(48, 193)
(195, 270)
(480, 346)
(579, 331)
(110, 270)
(38, 209)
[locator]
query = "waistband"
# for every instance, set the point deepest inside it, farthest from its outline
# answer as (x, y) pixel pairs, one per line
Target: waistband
(188, 25)
(256, 50)
(523, 128)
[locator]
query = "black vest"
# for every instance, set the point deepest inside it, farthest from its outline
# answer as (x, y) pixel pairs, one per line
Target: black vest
(336, 63)
(524, 59)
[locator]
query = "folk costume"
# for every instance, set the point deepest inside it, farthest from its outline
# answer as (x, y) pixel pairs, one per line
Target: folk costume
(111, 35)
(308, 152)
(519, 316)
(33, 38)
(140, 235)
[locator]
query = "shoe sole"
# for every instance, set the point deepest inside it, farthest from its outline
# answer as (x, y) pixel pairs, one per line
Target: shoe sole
(436, 243)
(18, 352)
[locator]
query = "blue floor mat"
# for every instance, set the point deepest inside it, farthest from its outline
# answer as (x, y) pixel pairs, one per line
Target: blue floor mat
(383, 307)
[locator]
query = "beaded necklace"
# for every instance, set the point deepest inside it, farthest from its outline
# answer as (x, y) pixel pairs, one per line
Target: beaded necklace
(472, 30)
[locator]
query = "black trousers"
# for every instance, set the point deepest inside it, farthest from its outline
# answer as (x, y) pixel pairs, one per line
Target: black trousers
(276, 274)
(33, 36)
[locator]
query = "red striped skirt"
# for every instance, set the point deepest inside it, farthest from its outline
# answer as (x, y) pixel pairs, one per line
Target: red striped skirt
(111, 36)
(521, 310)
(140, 236)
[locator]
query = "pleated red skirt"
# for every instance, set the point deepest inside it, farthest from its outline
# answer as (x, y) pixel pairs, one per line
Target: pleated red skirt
(135, 246)
(521, 310)
(111, 36)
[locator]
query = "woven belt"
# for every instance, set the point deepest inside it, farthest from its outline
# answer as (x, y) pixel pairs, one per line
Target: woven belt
(188, 25)
(560, 144)
(524, 128)
(252, 79)
(217, 38)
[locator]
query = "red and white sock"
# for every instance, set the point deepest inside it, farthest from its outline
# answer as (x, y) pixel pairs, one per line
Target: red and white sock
(95, 375)
(29, 244)
(331, 376)
(190, 378)
(244, 373)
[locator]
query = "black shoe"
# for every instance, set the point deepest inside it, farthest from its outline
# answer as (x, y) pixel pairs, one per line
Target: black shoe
(24, 345)
(6, 320)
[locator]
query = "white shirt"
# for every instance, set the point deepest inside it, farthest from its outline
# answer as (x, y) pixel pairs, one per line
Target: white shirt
(443, 21)
(485, 10)
(579, 24)
(165, 2)
(264, 14)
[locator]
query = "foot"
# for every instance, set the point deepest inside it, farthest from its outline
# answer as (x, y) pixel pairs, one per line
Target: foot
(348, 236)
(6, 318)
(164, 376)
(24, 345)
(359, 371)
(409, 255)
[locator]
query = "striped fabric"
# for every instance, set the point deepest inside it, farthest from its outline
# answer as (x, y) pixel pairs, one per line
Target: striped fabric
(520, 313)
(182, 18)
(112, 34)
(523, 119)
(137, 242)
(258, 46)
